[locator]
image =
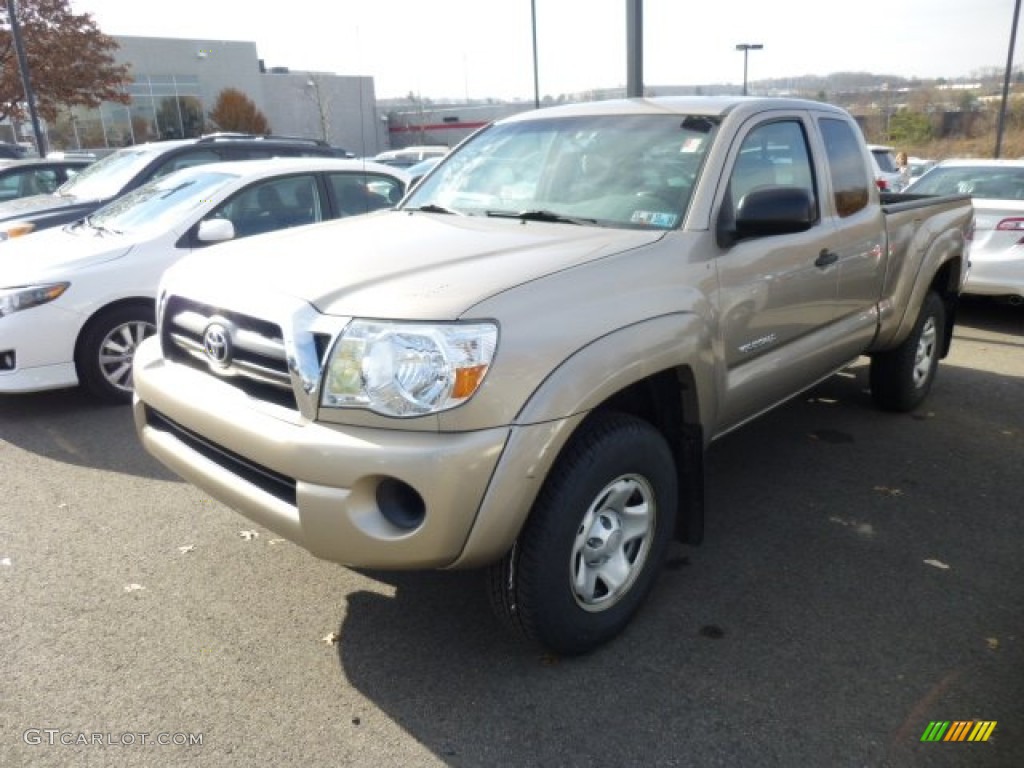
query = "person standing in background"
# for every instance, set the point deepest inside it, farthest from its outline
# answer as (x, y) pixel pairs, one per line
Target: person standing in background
(903, 166)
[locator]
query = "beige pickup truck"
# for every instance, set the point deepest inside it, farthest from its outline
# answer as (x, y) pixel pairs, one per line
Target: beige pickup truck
(519, 369)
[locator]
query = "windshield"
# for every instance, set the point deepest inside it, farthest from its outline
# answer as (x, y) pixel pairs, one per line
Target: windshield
(160, 204)
(107, 177)
(635, 171)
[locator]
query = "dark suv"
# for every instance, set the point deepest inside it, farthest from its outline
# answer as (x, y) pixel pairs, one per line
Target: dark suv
(128, 168)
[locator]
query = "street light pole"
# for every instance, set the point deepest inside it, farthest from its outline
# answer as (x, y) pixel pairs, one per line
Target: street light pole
(747, 48)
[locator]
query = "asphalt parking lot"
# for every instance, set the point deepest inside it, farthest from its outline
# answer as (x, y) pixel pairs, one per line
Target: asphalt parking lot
(862, 577)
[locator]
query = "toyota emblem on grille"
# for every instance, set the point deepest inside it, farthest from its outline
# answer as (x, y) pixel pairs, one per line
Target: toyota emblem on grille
(217, 344)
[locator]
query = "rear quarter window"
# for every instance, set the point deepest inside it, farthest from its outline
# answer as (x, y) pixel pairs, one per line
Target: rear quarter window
(849, 175)
(308, 150)
(186, 160)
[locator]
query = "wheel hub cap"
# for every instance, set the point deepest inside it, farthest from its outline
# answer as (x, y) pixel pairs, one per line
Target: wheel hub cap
(603, 539)
(612, 543)
(925, 353)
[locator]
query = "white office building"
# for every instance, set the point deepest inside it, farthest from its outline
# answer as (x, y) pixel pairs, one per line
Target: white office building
(176, 83)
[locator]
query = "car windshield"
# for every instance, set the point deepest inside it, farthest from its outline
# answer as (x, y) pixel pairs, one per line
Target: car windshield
(993, 183)
(107, 177)
(635, 171)
(160, 204)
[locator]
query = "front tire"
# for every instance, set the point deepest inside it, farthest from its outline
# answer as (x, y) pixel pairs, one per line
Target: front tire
(901, 378)
(595, 539)
(106, 348)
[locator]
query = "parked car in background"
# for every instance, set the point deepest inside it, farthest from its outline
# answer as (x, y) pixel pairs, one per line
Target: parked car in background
(12, 151)
(76, 300)
(22, 178)
(409, 156)
(131, 167)
(422, 168)
(887, 173)
(996, 251)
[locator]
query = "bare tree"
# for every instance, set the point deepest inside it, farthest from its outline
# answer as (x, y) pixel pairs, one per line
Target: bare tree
(322, 100)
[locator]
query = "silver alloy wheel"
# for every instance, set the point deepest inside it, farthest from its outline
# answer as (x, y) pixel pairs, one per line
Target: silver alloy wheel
(924, 359)
(118, 349)
(612, 543)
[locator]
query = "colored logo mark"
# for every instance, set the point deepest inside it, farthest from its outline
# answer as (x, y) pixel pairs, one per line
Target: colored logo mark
(958, 730)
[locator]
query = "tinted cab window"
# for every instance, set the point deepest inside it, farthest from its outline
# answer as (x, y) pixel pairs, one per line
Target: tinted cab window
(850, 176)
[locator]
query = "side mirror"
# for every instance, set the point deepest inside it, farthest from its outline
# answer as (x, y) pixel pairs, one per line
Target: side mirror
(773, 210)
(215, 231)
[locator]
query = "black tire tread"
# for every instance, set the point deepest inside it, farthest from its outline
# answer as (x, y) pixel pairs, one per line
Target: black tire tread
(889, 373)
(508, 589)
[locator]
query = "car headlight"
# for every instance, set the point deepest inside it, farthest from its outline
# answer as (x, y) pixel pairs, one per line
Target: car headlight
(15, 299)
(16, 229)
(407, 369)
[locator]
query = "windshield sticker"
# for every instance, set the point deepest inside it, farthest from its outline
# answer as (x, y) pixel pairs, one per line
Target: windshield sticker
(692, 144)
(654, 218)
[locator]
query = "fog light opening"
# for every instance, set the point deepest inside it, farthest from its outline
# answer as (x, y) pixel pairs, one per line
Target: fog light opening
(400, 505)
(8, 361)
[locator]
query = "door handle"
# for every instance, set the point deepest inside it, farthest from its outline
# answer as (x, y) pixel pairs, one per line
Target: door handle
(826, 257)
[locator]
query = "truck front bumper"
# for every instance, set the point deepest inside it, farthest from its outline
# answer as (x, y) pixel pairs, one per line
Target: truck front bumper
(364, 497)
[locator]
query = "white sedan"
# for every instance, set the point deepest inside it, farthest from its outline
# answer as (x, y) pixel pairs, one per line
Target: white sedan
(75, 301)
(996, 249)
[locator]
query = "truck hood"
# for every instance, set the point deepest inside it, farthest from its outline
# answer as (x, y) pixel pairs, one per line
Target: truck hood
(54, 254)
(397, 264)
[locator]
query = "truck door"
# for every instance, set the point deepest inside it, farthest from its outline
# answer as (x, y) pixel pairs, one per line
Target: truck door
(777, 293)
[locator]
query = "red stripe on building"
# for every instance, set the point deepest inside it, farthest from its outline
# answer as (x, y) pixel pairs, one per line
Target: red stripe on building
(434, 127)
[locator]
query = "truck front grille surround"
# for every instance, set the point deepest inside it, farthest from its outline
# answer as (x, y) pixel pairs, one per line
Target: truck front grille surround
(276, 362)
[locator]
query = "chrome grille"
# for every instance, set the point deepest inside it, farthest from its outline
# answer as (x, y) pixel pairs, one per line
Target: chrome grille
(258, 361)
(280, 362)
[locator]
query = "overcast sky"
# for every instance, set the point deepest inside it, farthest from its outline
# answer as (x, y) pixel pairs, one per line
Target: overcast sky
(483, 48)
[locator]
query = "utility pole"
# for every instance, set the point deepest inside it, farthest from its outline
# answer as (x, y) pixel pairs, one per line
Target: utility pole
(1006, 80)
(26, 82)
(634, 49)
(536, 74)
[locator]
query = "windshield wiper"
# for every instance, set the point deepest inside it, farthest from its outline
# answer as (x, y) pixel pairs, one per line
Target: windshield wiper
(541, 215)
(432, 208)
(100, 228)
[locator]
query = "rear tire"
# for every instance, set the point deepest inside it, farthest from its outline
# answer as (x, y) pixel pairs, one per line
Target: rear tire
(901, 378)
(595, 539)
(106, 348)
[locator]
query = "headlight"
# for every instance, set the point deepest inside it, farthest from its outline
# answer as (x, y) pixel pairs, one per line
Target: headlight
(16, 229)
(407, 369)
(14, 299)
